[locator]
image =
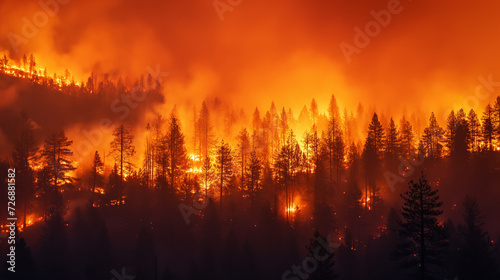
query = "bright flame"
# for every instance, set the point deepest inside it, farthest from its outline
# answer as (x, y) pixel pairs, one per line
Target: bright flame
(99, 191)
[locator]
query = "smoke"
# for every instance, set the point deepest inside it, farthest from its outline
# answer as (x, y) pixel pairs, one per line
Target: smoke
(428, 48)
(427, 57)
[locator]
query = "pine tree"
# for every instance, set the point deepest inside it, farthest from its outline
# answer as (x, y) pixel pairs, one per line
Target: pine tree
(377, 136)
(253, 175)
(496, 119)
(338, 155)
(207, 174)
(323, 256)
(206, 134)
(54, 248)
(244, 148)
(223, 165)
(462, 141)
(176, 151)
(474, 130)
(287, 162)
(393, 143)
(333, 144)
(97, 166)
(25, 154)
(122, 148)
(333, 108)
(451, 130)
(314, 111)
(488, 130)
(407, 138)
(56, 153)
(475, 255)
(283, 126)
(433, 138)
(423, 237)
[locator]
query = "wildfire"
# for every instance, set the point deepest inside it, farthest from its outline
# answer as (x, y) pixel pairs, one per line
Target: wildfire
(194, 170)
(99, 191)
(365, 201)
(19, 71)
(194, 157)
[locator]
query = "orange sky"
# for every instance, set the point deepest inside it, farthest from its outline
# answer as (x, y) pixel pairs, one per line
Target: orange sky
(429, 56)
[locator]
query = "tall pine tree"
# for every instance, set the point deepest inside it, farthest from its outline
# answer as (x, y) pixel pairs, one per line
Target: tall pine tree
(423, 238)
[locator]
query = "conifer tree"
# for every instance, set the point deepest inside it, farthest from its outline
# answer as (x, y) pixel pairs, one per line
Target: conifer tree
(474, 130)
(488, 130)
(56, 157)
(176, 150)
(323, 256)
(253, 175)
(433, 138)
(393, 143)
(97, 166)
(122, 148)
(475, 255)
(407, 138)
(423, 237)
(223, 165)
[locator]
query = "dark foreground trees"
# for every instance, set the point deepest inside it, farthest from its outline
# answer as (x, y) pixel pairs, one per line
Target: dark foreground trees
(475, 254)
(423, 238)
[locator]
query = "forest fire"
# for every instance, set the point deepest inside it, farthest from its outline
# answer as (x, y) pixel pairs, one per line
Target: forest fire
(356, 155)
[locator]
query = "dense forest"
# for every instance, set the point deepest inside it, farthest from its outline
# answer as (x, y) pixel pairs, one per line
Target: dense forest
(227, 194)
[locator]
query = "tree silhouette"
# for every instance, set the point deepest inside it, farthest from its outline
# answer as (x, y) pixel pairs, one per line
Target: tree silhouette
(488, 130)
(223, 165)
(97, 166)
(433, 138)
(54, 247)
(407, 138)
(253, 175)
(393, 141)
(323, 256)
(496, 118)
(243, 149)
(474, 130)
(56, 153)
(25, 154)
(475, 255)
(287, 161)
(423, 238)
(206, 134)
(122, 148)
(177, 159)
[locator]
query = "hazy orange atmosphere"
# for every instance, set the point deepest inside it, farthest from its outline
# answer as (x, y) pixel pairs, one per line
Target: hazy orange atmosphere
(223, 69)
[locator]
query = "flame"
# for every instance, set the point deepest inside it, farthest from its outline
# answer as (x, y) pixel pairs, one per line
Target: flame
(194, 157)
(99, 191)
(19, 71)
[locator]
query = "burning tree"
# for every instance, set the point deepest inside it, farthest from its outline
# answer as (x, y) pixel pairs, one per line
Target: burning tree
(122, 148)
(407, 138)
(433, 138)
(253, 175)
(25, 153)
(175, 145)
(286, 165)
(56, 155)
(97, 166)
(488, 130)
(223, 164)
(423, 238)
(243, 149)
(207, 173)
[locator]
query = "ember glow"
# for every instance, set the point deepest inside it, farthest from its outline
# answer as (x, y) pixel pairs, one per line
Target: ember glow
(250, 134)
